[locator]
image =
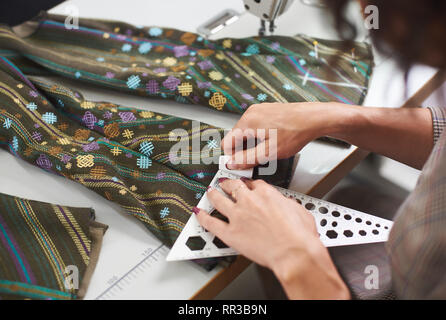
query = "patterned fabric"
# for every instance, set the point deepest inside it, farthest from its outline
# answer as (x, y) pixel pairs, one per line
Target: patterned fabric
(40, 243)
(228, 74)
(119, 152)
(417, 241)
(438, 120)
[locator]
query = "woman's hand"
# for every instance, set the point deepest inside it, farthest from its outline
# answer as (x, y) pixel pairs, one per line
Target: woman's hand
(275, 232)
(296, 125)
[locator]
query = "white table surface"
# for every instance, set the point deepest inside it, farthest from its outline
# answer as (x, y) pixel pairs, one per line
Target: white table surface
(126, 240)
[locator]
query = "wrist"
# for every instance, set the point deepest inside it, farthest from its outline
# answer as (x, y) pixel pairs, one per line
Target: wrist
(310, 275)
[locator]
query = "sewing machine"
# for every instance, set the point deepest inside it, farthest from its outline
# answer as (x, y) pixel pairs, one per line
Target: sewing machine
(267, 10)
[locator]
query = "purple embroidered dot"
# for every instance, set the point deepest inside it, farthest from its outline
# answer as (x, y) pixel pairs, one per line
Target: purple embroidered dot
(147, 64)
(196, 98)
(237, 75)
(247, 96)
(121, 37)
(43, 162)
(36, 136)
(107, 115)
(180, 51)
(192, 59)
(238, 47)
(160, 70)
(205, 64)
(109, 75)
(171, 83)
(91, 146)
(36, 125)
(203, 84)
(127, 116)
(144, 74)
(270, 59)
(65, 158)
(160, 176)
(128, 155)
(34, 94)
(77, 95)
(243, 105)
(275, 46)
(161, 126)
(128, 32)
(89, 120)
(152, 86)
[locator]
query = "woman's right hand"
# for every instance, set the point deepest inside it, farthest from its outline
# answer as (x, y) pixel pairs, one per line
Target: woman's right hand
(296, 124)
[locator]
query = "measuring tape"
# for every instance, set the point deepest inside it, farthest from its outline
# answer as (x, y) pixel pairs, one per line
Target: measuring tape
(336, 225)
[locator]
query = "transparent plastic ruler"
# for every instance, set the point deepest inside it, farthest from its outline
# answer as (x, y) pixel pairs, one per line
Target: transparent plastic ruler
(337, 225)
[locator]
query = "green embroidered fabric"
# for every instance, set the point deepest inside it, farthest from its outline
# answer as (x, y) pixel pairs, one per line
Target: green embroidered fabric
(227, 75)
(122, 153)
(45, 249)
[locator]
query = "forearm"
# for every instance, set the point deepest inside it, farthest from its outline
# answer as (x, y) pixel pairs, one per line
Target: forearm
(403, 134)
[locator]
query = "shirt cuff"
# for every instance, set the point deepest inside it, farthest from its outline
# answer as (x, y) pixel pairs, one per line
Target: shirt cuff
(438, 121)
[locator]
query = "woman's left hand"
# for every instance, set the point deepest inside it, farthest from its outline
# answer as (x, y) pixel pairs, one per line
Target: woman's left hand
(275, 232)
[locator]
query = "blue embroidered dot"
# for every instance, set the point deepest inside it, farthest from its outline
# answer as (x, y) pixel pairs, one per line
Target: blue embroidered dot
(164, 212)
(31, 106)
(126, 47)
(133, 82)
(144, 162)
(7, 123)
(302, 62)
(115, 179)
(200, 39)
(155, 32)
(145, 47)
(253, 49)
(287, 86)
(146, 148)
(262, 96)
(207, 93)
(77, 74)
(312, 54)
(49, 117)
(15, 143)
(100, 59)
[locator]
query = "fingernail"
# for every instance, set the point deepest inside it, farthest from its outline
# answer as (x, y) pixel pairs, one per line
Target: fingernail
(244, 179)
(220, 180)
(195, 210)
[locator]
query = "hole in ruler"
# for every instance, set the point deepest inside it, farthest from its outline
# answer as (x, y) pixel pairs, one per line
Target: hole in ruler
(348, 233)
(358, 220)
(332, 234)
(310, 206)
(335, 214)
(347, 217)
(378, 225)
(323, 222)
(323, 210)
(195, 243)
(386, 227)
(362, 232)
(298, 201)
(375, 231)
(368, 223)
(219, 244)
(334, 223)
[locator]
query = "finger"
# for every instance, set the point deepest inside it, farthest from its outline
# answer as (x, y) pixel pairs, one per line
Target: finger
(210, 223)
(236, 139)
(220, 202)
(251, 157)
(234, 187)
